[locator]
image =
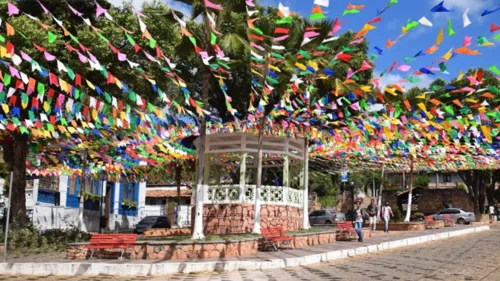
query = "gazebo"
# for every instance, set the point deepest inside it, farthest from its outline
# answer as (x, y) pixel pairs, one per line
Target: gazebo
(230, 208)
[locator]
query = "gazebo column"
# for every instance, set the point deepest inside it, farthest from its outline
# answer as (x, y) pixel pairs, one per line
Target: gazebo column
(305, 196)
(286, 171)
(243, 176)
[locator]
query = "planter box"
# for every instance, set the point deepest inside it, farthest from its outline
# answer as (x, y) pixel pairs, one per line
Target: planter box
(160, 232)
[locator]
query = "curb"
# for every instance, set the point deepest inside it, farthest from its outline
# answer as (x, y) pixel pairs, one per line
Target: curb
(165, 268)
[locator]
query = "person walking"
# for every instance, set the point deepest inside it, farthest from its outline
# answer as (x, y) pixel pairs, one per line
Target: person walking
(372, 212)
(491, 211)
(358, 226)
(386, 215)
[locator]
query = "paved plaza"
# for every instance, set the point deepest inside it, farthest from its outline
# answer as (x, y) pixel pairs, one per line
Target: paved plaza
(470, 257)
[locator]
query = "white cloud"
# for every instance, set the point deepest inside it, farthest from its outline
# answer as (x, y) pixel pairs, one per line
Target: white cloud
(393, 78)
(183, 8)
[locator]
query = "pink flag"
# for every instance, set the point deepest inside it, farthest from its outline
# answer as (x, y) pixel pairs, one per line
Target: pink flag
(404, 67)
(355, 106)
(48, 56)
(365, 66)
(467, 41)
(310, 34)
(122, 57)
(14, 72)
(151, 58)
(250, 3)
(211, 5)
(281, 38)
(43, 7)
(13, 10)
(257, 46)
(350, 73)
(100, 10)
(74, 11)
(82, 58)
(357, 41)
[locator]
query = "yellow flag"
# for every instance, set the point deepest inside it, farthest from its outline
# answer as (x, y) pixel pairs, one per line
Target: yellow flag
(301, 66)
(439, 39)
(422, 106)
(46, 106)
(448, 55)
(90, 84)
(460, 75)
(5, 108)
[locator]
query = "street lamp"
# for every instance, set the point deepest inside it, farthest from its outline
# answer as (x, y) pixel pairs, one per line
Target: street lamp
(102, 177)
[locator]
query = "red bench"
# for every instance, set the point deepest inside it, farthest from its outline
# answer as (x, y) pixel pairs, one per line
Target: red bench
(430, 222)
(448, 221)
(111, 241)
(272, 237)
(346, 230)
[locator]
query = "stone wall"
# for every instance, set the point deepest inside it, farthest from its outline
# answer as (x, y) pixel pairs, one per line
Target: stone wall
(431, 201)
(158, 250)
(238, 218)
(167, 232)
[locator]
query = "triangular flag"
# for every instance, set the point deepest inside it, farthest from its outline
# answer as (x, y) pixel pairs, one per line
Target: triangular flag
(12, 10)
(451, 32)
(439, 39)
(425, 21)
(439, 8)
(466, 18)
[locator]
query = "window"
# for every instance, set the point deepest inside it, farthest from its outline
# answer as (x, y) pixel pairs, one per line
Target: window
(128, 190)
(316, 213)
(446, 178)
(49, 183)
(454, 211)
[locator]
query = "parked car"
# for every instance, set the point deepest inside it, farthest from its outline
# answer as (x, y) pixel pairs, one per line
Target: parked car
(152, 222)
(325, 217)
(458, 215)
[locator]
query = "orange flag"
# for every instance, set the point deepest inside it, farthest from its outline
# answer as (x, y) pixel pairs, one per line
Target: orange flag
(465, 51)
(407, 104)
(389, 43)
(432, 49)
(10, 29)
(439, 39)
(357, 7)
(457, 102)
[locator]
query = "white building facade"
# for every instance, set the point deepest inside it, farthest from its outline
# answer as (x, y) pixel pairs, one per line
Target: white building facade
(54, 202)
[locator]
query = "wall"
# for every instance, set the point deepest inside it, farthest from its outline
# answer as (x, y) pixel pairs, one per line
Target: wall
(57, 217)
(432, 200)
(238, 218)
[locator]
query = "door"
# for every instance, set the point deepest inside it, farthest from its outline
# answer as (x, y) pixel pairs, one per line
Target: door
(440, 215)
(454, 214)
(108, 202)
(313, 217)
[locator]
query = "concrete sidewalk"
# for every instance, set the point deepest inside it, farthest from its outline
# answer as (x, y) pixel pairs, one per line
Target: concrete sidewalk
(56, 265)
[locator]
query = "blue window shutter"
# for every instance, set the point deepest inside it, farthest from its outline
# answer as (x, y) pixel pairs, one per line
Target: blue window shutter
(77, 186)
(92, 186)
(99, 186)
(112, 199)
(136, 192)
(120, 197)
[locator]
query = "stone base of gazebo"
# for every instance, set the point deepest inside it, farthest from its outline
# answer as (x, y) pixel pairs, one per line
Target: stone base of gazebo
(239, 218)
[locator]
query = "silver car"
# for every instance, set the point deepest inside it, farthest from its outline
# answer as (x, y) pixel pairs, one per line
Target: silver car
(325, 217)
(458, 215)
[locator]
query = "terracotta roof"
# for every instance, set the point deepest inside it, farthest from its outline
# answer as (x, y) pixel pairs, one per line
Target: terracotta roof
(168, 193)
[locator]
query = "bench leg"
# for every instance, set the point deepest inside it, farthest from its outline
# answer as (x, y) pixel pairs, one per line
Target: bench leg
(91, 254)
(121, 256)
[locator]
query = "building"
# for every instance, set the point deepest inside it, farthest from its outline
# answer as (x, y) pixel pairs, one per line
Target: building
(53, 203)
(437, 180)
(162, 200)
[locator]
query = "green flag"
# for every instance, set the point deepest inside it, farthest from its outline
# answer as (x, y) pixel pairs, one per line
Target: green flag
(51, 37)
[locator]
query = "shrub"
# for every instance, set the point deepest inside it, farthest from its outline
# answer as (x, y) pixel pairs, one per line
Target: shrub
(398, 215)
(422, 181)
(462, 186)
(327, 201)
(30, 240)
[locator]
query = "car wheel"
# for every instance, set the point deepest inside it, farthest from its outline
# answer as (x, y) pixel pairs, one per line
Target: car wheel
(328, 222)
(460, 221)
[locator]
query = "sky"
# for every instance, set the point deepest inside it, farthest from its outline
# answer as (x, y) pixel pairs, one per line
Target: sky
(418, 39)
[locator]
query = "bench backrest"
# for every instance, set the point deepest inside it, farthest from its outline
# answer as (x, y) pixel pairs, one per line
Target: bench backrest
(270, 232)
(113, 238)
(343, 225)
(429, 219)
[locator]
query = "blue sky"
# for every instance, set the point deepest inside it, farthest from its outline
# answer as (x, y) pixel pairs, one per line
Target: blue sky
(417, 39)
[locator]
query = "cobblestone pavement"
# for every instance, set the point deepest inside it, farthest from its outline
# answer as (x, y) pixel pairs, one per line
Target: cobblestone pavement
(470, 257)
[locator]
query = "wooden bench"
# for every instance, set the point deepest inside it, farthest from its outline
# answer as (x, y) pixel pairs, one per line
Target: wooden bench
(448, 221)
(346, 230)
(430, 223)
(272, 237)
(111, 241)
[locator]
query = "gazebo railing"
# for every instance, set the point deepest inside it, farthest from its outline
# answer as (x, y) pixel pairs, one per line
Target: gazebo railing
(245, 194)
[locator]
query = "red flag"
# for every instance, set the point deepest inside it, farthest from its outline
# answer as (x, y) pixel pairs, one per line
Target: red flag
(494, 27)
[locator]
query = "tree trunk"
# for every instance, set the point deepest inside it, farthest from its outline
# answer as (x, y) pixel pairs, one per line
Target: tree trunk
(379, 207)
(475, 180)
(178, 170)
(18, 200)
(410, 195)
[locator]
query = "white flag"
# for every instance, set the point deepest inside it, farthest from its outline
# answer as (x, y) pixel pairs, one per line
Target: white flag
(323, 3)
(284, 10)
(425, 21)
(466, 18)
